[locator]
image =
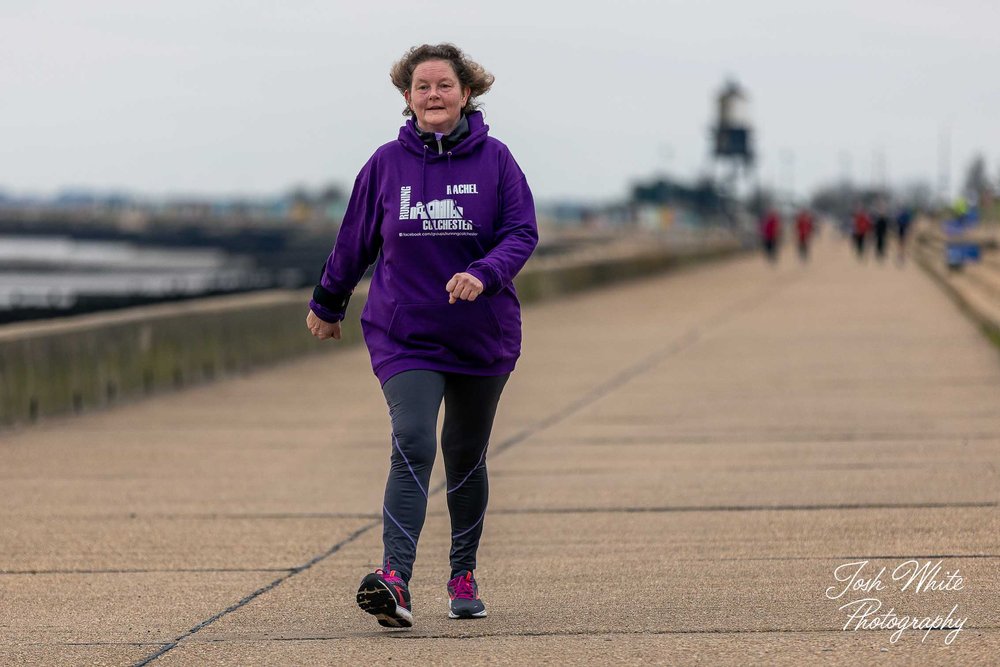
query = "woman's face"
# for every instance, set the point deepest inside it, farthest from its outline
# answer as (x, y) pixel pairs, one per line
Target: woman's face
(436, 96)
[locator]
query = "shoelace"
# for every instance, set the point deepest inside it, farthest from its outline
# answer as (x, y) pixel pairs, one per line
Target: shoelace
(462, 587)
(390, 577)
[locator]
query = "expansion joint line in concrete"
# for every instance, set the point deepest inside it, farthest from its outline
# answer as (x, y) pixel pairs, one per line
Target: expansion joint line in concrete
(182, 570)
(607, 632)
(684, 342)
(815, 507)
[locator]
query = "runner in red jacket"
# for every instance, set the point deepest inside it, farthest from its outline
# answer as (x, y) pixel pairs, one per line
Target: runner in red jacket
(770, 232)
(862, 225)
(804, 226)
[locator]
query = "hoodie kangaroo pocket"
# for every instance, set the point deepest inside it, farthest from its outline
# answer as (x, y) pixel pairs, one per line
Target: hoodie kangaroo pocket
(465, 331)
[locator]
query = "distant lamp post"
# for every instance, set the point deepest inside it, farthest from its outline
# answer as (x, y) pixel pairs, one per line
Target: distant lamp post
(788, 178)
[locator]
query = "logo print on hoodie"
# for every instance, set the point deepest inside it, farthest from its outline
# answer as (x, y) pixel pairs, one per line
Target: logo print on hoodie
(436, 215)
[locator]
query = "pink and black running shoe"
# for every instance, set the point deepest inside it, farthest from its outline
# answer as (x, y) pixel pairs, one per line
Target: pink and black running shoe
(386, 596)
(464, 597)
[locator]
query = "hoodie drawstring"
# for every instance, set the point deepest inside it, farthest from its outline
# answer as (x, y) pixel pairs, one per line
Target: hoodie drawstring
(423, 175)
(422, 195)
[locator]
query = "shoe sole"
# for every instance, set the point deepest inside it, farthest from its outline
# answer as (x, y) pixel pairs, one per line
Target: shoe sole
(375, 598)
(478, 614)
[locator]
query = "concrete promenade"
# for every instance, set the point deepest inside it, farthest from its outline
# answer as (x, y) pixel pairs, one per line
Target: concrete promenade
(679, 466)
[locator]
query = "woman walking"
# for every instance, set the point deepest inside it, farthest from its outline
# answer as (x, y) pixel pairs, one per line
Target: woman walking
(862, 225)
(770, 233)
(446, 215)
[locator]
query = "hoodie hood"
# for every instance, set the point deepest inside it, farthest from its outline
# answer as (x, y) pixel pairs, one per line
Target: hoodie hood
(410, 138)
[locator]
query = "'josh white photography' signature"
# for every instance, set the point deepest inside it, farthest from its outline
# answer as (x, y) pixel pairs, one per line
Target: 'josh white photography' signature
(909, 576)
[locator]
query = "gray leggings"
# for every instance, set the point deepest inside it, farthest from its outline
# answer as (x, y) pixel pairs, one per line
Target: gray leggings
(414, 399)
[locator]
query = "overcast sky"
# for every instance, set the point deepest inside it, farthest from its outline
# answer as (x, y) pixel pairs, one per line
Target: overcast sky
(253, 96)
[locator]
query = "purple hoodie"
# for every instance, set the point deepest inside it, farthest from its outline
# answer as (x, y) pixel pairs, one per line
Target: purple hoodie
(426, 215)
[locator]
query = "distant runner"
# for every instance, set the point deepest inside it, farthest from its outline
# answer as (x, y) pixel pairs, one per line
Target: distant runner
(805, 227)
(770, 232)
(862, 225)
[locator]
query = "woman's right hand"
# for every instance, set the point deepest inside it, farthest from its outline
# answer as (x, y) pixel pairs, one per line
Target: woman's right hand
(321, 329)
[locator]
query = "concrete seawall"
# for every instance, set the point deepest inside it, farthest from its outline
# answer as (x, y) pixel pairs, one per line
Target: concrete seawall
(81, 363)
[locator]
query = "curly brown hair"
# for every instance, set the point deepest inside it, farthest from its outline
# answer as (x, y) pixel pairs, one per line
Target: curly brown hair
(470, 74)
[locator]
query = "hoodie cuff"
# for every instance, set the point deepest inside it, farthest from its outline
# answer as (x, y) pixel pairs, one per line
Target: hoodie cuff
(331, 301)
(328, 306)
(325, 314)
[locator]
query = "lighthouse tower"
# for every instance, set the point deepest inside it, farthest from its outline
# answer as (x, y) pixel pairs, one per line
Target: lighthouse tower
(732, 134)
(732, 149)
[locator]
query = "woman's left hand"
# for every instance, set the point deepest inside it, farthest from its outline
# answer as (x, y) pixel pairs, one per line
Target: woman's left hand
(464, 286)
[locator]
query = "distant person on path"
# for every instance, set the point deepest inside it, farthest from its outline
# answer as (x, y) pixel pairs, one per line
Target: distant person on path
(903, 220)
(881, 229)
(960, 208)
(770, 233)
(446, 215)
(862, 225)
(805, 227)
